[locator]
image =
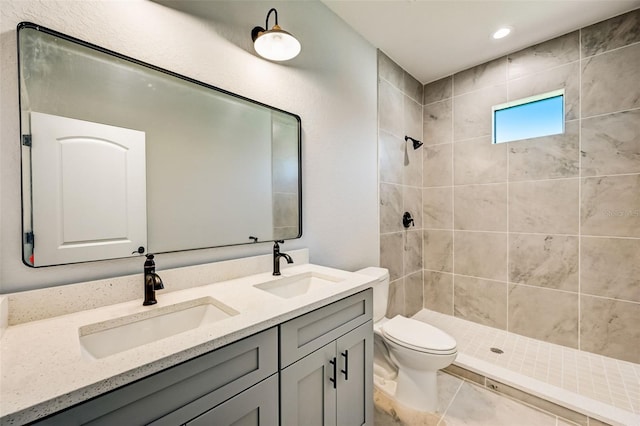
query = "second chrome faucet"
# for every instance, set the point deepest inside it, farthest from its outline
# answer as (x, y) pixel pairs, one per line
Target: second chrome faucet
(277, 255)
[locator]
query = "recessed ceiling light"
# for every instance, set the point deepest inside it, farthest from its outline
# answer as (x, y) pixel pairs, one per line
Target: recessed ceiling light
(501, 33)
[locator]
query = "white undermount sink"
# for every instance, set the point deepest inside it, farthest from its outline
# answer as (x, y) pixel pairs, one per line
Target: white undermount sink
(110, 337)
(298, 285)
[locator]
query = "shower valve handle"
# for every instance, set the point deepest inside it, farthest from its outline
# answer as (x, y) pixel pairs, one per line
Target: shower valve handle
(407, 220)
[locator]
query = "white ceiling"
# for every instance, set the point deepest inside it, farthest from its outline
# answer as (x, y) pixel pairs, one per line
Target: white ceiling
(433, 39)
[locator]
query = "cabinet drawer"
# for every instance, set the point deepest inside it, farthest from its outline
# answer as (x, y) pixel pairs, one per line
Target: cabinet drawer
(254, 407)
(180, 391)
(307, 333)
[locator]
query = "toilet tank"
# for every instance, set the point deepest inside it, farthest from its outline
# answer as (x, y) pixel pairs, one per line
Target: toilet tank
(380, 290)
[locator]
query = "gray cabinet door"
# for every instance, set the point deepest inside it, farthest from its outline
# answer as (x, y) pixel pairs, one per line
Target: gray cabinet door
(355, 377)
(307, 394)
(257, 406)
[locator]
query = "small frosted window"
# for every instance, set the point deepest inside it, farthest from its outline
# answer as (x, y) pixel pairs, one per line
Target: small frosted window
(533, 117)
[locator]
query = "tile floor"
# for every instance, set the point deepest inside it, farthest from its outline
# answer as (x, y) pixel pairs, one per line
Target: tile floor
(462, 403)
(584, 380)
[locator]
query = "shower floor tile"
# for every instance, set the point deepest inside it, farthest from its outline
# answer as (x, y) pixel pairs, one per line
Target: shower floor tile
(588, 383)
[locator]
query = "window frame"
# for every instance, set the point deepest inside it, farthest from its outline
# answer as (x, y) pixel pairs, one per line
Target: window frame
(523, 101)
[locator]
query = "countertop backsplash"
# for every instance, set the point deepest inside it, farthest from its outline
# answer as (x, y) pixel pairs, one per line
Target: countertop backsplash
(22, 307)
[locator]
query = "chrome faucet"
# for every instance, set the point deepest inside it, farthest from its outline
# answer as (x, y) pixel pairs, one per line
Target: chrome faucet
(152, 281)
(277, 255)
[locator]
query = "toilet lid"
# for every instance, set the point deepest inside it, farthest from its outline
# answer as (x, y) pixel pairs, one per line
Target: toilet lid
(418, 335)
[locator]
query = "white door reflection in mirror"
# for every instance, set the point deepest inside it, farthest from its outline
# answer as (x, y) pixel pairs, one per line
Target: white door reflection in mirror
(88, 190)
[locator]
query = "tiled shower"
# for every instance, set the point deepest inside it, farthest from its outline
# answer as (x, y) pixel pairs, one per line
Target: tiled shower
(400, 175)
(539, 237)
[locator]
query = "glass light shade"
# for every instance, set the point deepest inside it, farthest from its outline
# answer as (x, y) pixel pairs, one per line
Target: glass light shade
(277, 45)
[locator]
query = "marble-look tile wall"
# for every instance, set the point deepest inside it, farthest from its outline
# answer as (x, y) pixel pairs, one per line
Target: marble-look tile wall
(285, 181)
(540, 237)
(400, 175)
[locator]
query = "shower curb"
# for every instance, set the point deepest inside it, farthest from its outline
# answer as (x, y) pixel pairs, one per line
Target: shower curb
(615, 417)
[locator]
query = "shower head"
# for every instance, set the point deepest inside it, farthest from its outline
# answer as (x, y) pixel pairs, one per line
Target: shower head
(416, 143)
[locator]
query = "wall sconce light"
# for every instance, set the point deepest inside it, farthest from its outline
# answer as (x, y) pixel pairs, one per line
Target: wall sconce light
(274, 44)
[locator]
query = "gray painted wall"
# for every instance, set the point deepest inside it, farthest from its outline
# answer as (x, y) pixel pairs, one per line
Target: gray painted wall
(331, 85)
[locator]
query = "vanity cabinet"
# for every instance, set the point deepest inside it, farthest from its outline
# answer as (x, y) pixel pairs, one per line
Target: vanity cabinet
(327, 365)
(215, 387)
(314, 369)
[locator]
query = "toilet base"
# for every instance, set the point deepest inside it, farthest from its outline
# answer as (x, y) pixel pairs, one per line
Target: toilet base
(388, 408)
(417, 389)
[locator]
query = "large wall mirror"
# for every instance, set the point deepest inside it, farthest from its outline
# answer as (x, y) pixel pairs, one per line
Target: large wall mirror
(120, 157)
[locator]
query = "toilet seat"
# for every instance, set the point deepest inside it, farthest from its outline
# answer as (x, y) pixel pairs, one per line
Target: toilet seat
(418, 336)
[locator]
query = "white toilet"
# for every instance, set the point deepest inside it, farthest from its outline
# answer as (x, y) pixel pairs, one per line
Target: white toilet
(416, 350)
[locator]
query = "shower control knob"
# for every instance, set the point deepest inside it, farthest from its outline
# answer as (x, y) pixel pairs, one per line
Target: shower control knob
(407, 220)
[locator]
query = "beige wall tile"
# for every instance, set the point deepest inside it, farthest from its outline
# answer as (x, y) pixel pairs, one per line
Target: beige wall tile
(613, 33)
(412, 203)
(412, 118)
(549, 261)
(285, 160)
(285, 209)
(395, 304)
(437, 250)
(413, 88)
(390, 208)
(390, 109)
(488, 74)
(610, 206)
(544, 206)
(481, 301)
(412, 169)
(611, 144)
(438, 292)
(413, 295)
(544, 314)
(285, 232)
(390, 71)
(437, 164)
(438, 90)
(472, 112)
(438, 123)
(481, 254)
(437, 206)
(412, 252)
(610, 328)
(550, 54)
(391, 254)
(391, 158)
(548, 157)
(564, 77)
(610, 81)
(480, 207)
(479, 161)
(610, 267)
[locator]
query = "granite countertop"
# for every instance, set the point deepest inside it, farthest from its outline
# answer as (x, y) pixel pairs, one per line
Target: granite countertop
(44, 368)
